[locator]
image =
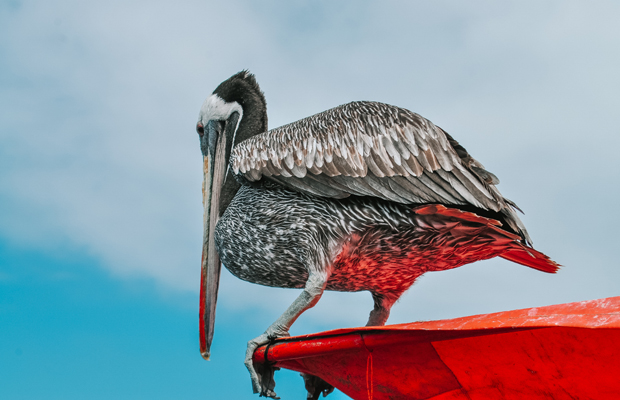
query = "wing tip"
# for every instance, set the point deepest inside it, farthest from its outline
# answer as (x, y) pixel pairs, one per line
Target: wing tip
(532, 258)
(455, 212)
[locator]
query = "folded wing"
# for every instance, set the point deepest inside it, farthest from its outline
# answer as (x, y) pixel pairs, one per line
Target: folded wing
(372, 149)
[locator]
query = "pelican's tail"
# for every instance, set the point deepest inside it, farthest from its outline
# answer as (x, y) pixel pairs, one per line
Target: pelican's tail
(531, 258)
(513, 247)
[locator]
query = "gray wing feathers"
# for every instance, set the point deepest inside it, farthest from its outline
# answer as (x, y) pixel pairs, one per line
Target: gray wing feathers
(368, 149)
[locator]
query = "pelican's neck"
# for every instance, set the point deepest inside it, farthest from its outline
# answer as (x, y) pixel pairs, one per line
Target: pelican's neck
(254, 120)
(242, 89)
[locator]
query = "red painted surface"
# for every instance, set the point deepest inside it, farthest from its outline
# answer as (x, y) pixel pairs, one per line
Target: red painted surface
(567, 351)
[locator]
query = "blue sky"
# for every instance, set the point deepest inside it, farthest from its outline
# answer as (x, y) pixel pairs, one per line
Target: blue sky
(100, 168)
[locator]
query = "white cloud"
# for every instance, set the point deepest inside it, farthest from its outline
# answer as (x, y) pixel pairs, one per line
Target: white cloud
(100, 100)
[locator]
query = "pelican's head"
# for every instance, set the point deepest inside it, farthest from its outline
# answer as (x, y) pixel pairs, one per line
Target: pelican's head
(235, 111)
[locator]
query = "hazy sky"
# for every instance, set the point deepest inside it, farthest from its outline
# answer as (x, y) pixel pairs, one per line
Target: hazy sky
(100, 168)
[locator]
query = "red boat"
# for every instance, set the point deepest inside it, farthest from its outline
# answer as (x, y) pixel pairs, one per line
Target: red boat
(566, 351)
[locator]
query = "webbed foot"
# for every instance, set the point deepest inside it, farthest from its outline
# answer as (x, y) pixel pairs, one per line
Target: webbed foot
(262, 374)
(315, 386)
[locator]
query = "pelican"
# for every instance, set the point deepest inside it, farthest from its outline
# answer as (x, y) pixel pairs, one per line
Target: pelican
(364, 196)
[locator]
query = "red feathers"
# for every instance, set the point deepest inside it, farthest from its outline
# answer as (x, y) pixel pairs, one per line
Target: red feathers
(516, 251)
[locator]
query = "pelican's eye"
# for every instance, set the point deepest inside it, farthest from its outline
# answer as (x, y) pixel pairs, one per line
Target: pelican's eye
(200, 129)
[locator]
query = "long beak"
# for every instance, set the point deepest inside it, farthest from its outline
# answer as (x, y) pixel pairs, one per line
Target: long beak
(214, 172)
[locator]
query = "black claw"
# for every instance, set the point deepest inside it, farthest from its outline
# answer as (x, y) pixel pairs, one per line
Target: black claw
(268, 383)
(315, 386)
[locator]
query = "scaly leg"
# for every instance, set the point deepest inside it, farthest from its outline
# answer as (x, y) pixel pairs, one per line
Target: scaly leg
(383, 304)
(307, 299)
(378, 317)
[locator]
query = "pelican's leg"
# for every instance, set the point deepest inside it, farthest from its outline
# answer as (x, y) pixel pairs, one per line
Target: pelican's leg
(383, 304)
(307, 299)
(378, 317)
